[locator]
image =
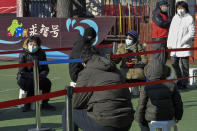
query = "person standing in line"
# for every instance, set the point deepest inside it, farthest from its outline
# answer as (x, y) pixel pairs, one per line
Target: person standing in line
(158, 102)
(181, 35)
(160, 27)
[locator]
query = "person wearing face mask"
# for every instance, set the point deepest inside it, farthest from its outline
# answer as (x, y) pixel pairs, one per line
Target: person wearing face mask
(181, 35)
(160, 27)
(132, 67)
(31, 50)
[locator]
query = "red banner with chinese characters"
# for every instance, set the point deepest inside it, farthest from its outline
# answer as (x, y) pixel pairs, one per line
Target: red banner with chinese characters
(54, 32)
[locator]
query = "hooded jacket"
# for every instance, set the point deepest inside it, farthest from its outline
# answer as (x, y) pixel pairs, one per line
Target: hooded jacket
(159, 101)
(160, 24)
(181, 35)
(108, 108)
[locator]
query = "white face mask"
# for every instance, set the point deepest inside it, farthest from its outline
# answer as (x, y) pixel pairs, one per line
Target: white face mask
(128, 42)
(32, 48)
(181, 12)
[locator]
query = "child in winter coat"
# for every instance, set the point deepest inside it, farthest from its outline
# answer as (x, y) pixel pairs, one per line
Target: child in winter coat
(158, 102)
(132, 67)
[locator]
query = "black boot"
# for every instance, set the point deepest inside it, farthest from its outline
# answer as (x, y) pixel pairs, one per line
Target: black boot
(27, 107)
(179, 84)
(47, 106)
(184, 87)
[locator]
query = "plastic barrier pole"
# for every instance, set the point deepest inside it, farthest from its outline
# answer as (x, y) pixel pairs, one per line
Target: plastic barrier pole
(69, 111)
(36, 91)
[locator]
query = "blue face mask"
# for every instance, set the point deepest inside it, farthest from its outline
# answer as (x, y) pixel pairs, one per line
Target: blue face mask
(128, 42)
(32, 48)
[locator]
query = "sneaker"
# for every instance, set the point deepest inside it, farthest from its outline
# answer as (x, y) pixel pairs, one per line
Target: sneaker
(47, 106)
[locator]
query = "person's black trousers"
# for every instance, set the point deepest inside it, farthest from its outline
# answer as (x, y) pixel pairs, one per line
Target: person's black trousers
(84, 122)
(27, 84)
(160, 46)
(144, 128)
(181, 68)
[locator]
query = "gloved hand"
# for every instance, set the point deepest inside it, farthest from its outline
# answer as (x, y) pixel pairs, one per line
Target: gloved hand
(130, 63)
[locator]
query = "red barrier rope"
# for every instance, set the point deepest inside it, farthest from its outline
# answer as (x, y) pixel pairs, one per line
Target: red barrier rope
(182, 49)
(104, 45)
(31, 99)
(149, 42)
(55, 49)
(156, 42)
(16, 65)
(151, 52)
(135, 54)
(70, 48)
(119, 86)
(9, 52)
(112, 56)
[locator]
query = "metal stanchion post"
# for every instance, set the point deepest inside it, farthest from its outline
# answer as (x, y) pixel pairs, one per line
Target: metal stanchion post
(36, 90)
(69, 112)
(115, 46)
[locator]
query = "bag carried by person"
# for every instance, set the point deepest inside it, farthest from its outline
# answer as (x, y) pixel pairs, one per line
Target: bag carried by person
(135, 73)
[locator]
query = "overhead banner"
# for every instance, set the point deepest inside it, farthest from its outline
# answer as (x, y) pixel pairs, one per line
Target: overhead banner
(7, 6)
(54, 32)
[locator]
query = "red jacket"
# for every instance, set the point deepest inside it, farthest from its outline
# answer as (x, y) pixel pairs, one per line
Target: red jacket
(158, 30)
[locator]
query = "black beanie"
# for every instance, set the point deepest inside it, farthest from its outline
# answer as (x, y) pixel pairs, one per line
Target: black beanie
(89, 34)
(163, 2)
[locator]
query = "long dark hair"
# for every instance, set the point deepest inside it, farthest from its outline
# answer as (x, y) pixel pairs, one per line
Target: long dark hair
(182, 4)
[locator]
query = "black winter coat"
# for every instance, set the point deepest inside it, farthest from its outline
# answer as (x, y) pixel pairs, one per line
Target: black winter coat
(159, 102)
(110, 107)
(25, 57)
(157, 18)
(75, 68)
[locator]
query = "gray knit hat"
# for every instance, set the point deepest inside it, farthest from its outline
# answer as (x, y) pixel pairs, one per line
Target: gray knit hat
(89, 34)
(156, 70)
